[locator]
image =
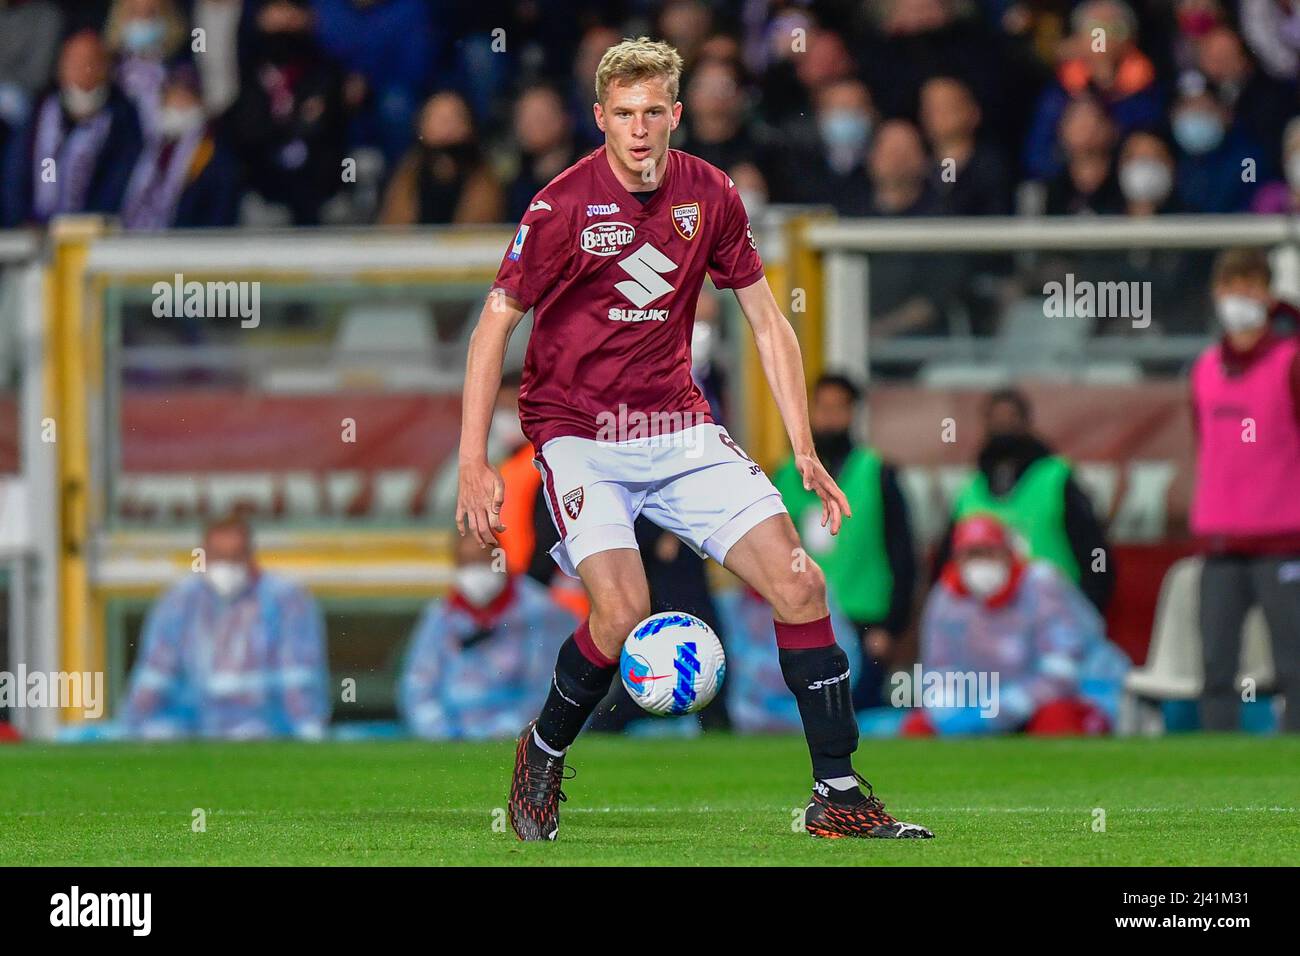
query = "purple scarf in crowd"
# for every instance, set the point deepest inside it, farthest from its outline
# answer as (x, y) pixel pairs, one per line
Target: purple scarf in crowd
(75, 151)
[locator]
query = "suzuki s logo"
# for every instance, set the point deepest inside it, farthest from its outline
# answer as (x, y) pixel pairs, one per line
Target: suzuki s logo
(646, 266)
(606, 238)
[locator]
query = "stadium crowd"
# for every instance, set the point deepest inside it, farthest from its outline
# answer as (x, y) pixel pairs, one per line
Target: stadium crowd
(221, 112)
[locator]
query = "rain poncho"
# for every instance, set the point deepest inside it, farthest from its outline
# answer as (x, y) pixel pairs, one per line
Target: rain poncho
(476, 675)
(244, 668)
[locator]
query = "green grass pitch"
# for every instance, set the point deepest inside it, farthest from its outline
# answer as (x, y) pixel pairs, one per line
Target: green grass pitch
(1213, 800)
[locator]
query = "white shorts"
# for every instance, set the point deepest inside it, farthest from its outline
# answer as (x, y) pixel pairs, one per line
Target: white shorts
(696, 483)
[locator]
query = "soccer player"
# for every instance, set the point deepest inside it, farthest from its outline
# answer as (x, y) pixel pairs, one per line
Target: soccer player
(611, 256)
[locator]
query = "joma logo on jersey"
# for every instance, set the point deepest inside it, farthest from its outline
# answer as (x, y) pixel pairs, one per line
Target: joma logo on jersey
(602, 208)
(686, 219)
(638, 315)
(606, 238)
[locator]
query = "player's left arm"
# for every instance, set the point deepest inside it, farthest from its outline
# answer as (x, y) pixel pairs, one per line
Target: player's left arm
(778, 350)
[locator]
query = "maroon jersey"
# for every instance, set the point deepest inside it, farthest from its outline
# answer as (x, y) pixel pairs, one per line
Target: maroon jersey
(613, 283)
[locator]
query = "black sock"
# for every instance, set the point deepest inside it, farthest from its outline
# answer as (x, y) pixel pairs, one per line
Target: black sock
(819, 679)
(577, 687)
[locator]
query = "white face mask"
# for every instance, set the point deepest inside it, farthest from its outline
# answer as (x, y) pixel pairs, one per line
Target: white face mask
(173, 122)
(84, 103)
(984, 577)
(701, 345)
(227, 578)
(1240, 313)
(1145, 180)
(479, 584)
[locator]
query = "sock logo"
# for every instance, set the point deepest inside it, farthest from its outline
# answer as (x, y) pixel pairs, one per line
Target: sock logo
(819, 684)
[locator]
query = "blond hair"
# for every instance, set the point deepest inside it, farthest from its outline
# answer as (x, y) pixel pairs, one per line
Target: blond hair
(633, 61)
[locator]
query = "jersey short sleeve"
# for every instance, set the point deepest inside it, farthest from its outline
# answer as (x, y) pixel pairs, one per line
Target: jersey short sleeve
(538, 253)
(735, 262)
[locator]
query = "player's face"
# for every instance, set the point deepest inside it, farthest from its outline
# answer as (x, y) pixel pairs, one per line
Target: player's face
(637, 119)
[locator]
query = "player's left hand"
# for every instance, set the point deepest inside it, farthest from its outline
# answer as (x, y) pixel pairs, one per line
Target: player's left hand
(835, 507)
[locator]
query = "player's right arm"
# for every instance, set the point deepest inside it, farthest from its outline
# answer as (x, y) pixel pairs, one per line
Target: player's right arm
(481, 489)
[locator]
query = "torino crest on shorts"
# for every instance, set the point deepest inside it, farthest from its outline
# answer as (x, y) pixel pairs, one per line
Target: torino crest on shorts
(613, 282)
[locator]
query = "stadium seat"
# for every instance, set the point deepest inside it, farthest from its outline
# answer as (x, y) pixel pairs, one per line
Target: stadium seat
(1173, 669)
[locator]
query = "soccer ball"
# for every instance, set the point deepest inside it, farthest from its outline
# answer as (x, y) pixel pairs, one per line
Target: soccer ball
(672, 663)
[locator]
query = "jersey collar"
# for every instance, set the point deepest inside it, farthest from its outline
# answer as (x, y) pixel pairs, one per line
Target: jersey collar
(627, 201)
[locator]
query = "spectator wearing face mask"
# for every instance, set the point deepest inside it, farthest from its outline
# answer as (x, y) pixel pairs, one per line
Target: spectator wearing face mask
(1030, 489)
(288, 124)
(836, 174)
(445, 179)
(1283, 196)
(1100, 61)
(79, 145)
(480, 658)
(1259, 104)
(969, 174)
(1146, 176)
(1245, 508)
(185, 176)
(144, 36)
(1088, 183)
(870, 565)
(992, 612)
(231, 652)
(1211, 151)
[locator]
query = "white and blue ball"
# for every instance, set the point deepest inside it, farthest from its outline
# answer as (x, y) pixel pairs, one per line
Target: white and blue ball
(672, 663)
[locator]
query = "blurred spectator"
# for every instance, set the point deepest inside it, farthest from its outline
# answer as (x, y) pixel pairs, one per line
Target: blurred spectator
(231, 652)
(582, 94)
(759, 701)
(1212, 150)
(993, 613)
(287, 125)
(479, 660)
(713, 121)
(388, 46)
(751, 184)
(1100, 60)
(1088, 182)
(144, 35)
(1146, 176)
(909, 41)
(1259, 104)
(1032, 490)
(1193, 21)
(899, 166)
(544, 136)
(1283, 196)
(219, 65)
(1272, 28)
(870, 565)
(29, 42)
(79, 145)
(969, 174)
(444, 179)
(796, 78)
(1245, 510)
(834, 171)
(185, 176)
(686, 25)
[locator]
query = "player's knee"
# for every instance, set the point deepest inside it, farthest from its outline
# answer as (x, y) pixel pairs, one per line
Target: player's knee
(617, 617)
(799, 594)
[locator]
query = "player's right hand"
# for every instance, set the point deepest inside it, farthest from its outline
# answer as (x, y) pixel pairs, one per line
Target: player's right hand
(481, 494)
